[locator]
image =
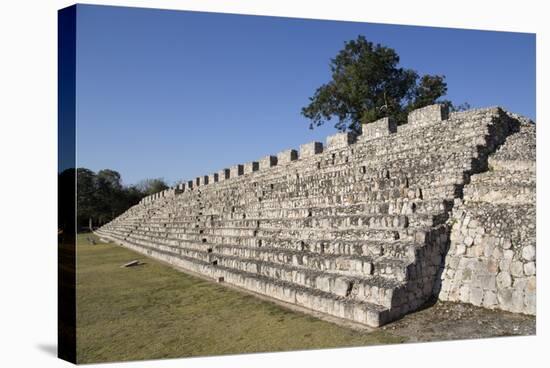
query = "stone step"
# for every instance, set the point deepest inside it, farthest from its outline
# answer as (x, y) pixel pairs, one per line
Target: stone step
(504, 177)
(373, 315)
(513, 194)
(399, 249)
(370, 221)
(502, 220)
(374, 289)
(350, 266)
(512, 165)
(341, 222)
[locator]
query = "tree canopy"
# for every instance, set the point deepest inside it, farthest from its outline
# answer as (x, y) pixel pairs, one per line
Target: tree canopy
(368, 84)
(101, 196)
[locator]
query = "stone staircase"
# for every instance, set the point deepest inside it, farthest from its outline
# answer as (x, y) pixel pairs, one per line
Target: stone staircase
(491, 261)
(357, 229)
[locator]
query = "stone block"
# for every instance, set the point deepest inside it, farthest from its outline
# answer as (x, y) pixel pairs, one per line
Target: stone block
(340, 287)
(476, 296)
(464, 294)
(489, 299)
(504, 280)
(213, 178)
(267, 162)
(530, 301)
(287, 156)
(516, 269)
(236, 171)
(250, 167)
(379, 128)
(224, 174)
(505, 298)
(310, 149)
(323, 283)
(530, 269)
(529, 253)
(428, 114)
(340, 140)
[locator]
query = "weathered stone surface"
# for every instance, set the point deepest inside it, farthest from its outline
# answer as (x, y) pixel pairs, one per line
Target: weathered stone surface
(498, 214)
(267, 162)
(379, 128)
(224, 174)
(528, 253)
(340, 140)
(236, 170)
(287, 156)
(250, 167)
(504, 280)
(213, 178)
(429, 114)
(365, 230)
(310, 149)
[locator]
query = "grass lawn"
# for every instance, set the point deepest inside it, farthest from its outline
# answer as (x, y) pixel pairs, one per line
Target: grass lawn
(152, 311)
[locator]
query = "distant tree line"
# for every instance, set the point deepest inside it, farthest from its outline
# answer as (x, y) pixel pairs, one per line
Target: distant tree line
(101, 196)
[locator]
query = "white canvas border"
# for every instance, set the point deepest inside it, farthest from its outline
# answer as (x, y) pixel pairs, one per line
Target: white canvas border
(28, 146)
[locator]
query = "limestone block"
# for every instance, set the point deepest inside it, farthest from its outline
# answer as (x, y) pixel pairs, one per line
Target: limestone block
(236, 171)
(250, 167)
(323, 283)
(340, 140)
(516, 269)
(428, 114)
(310, 149)
(504, 280)
(464, 294)
(340, 287)
(287, 156)
(489, 299)
(212, 178)
(529, 253)
(529, 269)
(224, 174)
(468, 241)
(267, 162)
(379, 128)
(373, 318)
(530, 301)
(476, 296)
(505, 298)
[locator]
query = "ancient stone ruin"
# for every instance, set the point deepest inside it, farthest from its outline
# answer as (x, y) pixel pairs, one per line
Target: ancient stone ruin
(365, 228)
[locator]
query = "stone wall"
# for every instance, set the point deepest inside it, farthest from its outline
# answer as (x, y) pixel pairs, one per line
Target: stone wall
(363, 228)
(491, 261)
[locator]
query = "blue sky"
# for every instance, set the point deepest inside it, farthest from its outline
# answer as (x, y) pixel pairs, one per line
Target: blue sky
(177, 94)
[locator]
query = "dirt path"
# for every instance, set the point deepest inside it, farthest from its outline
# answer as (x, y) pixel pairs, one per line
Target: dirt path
(454, 321)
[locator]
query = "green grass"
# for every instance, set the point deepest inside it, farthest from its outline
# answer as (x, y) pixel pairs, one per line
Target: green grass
(152, 311)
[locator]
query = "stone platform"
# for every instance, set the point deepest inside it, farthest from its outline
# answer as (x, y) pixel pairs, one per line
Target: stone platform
(362, 228)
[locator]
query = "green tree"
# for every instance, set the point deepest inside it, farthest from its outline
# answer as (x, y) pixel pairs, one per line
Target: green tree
(101, 196)
(368, 84)
(86, 196)
(152, 186)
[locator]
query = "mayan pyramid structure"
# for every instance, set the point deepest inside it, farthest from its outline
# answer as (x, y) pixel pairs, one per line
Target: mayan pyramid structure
(364, 228)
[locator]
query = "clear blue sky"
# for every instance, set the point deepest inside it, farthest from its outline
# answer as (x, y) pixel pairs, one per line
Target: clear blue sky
(177, 94)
